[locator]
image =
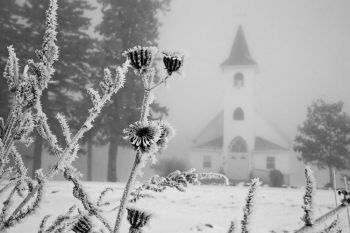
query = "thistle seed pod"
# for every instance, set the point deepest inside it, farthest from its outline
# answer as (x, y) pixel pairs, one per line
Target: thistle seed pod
(173, 61)
(137, 219)
(140, 58)
(84, 225)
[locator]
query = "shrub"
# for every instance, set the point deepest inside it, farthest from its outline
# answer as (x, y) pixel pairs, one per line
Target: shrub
(276, 178)
(165, 166)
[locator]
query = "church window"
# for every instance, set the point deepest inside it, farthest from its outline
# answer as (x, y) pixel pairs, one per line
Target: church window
(238, 114)
(206, 161)
(238, 80)
(238, 145)
(270, 162)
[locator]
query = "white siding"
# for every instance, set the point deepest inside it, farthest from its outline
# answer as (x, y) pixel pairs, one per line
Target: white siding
(197, 156)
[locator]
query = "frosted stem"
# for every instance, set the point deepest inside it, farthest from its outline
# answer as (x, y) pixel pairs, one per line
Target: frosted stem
(130, 182)
(126, 193)
(160, 83)
(67, 151)
(145, 106)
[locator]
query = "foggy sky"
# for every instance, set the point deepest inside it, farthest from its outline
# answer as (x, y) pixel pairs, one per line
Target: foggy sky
(301, 47)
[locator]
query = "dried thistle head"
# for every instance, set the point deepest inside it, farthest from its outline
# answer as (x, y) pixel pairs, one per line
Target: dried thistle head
(141, 58)
(137, 219)
(143, 136)
(173, 61)
(83, 225)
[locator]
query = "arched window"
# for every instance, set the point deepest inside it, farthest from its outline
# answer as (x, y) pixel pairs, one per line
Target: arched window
(238, 80)
(238, 145)
(238, 114)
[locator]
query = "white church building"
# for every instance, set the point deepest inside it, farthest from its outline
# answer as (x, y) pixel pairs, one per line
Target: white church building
(239, 142)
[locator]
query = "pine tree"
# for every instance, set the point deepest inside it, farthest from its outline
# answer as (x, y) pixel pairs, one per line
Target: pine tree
(324, 137)
(72, 71)
(126, 23)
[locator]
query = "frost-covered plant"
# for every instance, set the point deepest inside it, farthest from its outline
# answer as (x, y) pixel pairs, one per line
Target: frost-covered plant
(62, 223)
(308, 207)
(249, 205)
(308, 198)
(147, 137)
(27, 114)
(156, 184)
(176, 179)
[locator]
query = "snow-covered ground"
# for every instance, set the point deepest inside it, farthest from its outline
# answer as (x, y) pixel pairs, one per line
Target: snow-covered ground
(199, 209)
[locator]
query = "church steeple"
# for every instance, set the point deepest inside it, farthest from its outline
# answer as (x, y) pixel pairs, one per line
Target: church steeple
(240, 55)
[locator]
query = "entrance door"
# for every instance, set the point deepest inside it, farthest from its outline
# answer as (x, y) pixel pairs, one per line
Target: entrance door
(237, 166)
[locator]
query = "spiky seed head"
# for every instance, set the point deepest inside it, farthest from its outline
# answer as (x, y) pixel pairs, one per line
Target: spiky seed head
(141, 58)
(83, 225)
(138, 218)
(173, 61)
(143, 136)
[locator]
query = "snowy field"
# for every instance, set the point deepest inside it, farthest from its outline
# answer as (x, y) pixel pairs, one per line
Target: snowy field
(199, 209)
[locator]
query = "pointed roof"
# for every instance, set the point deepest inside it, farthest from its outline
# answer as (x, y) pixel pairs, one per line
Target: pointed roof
(262, 144)
(240, 55)
(214, 144)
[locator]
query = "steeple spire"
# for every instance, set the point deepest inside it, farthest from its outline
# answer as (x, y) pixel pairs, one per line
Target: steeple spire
(240, 55)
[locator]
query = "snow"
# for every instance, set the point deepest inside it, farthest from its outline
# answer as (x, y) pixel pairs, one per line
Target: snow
(203, 208)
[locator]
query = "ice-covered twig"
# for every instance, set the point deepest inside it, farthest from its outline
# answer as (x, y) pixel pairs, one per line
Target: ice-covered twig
(102, 196)
(81, 194)
(176, 179)
(214, 176)
(20, 213)
(249, 205)
(308, 198)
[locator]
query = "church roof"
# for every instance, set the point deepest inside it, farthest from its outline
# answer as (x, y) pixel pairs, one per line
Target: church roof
(267, 136)
(261, 144)
(213, 129)
(215, 143)
(240, 55)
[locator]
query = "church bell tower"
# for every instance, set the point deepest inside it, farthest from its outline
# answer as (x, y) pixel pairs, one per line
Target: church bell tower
(239, 71)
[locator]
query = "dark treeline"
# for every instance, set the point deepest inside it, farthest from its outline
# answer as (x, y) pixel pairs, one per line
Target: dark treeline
(125, 23)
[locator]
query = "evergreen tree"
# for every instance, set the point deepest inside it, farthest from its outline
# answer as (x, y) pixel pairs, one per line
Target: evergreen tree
(324, 138)
(72, 70)
(126, 23)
